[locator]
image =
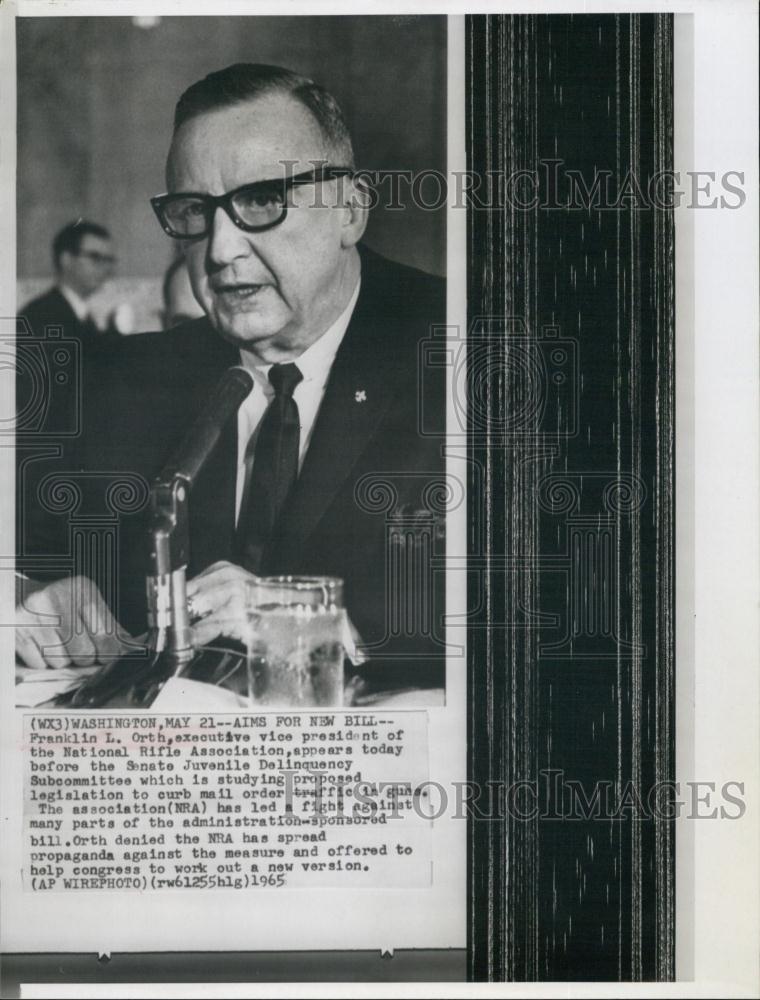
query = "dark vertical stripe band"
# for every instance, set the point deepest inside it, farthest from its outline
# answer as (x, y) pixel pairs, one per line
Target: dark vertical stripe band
(571, 375)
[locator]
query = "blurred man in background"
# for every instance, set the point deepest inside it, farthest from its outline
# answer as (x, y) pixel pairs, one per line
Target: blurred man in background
(84, 260)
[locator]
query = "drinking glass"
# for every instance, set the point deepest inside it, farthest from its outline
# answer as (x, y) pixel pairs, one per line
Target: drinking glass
(294, 641)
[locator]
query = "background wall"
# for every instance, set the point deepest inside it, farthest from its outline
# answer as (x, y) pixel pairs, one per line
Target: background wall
(95, 104)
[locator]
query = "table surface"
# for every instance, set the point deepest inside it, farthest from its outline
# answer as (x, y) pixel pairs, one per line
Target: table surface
(196, 696)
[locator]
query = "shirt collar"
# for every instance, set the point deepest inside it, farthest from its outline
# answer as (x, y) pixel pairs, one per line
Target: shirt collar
(77, 303)
(316, 361)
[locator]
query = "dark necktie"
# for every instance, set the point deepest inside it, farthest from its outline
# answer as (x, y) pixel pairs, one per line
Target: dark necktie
(275, 467)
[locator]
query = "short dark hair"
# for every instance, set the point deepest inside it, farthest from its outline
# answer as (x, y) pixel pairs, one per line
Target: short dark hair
(245, 81)
(69, 239)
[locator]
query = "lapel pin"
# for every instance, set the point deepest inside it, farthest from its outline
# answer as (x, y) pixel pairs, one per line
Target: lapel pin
(360, 396)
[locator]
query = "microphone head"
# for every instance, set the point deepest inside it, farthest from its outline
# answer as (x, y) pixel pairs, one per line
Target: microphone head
(201, 437)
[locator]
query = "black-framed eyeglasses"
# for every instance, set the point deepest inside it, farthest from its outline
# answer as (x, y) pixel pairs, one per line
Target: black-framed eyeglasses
(105, 259)
(254, 208)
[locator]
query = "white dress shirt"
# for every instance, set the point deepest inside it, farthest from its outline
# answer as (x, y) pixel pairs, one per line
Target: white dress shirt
(314, 364)
(77, 303)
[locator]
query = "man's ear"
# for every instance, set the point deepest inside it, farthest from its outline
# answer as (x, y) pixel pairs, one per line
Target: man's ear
(356, 202)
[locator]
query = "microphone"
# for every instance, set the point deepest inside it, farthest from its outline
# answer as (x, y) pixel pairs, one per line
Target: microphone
(169, 637)
(188, 458)
(170, 534)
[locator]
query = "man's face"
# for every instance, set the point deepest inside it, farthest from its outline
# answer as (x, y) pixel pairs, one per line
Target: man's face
(278, 290)
(88, 269)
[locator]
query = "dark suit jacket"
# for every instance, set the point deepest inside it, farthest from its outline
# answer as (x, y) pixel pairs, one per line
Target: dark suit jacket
(52, 309)
(53, 349)
(367, 504)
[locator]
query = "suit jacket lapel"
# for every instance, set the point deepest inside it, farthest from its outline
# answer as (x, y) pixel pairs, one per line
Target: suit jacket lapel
(85, 330)
(358, 394)
(60, 306)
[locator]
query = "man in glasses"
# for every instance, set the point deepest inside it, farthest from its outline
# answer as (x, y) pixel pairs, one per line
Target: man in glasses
(326, 469)
(84, 260)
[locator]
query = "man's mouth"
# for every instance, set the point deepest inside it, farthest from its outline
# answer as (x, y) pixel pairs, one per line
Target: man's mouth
(238, 290)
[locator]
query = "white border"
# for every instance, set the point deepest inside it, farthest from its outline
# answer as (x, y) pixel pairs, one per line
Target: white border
(726, 691)
(683, 158)
(725, 568)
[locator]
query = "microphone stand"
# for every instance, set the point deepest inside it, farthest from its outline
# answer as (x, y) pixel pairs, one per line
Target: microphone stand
(170, 635)
(166, 585)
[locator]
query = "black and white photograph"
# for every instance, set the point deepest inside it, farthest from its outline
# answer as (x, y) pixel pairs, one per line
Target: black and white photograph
(381, 487)
(343, 520)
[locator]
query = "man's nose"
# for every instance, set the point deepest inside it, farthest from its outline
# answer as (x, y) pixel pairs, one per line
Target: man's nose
(226, 241)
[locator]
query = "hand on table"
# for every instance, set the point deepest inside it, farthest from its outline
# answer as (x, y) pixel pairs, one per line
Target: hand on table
(218, 597)
(66, 623)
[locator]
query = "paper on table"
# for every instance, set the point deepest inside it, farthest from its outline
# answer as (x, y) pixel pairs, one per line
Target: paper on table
(407, 698)
(38, 686)
(181, 694)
